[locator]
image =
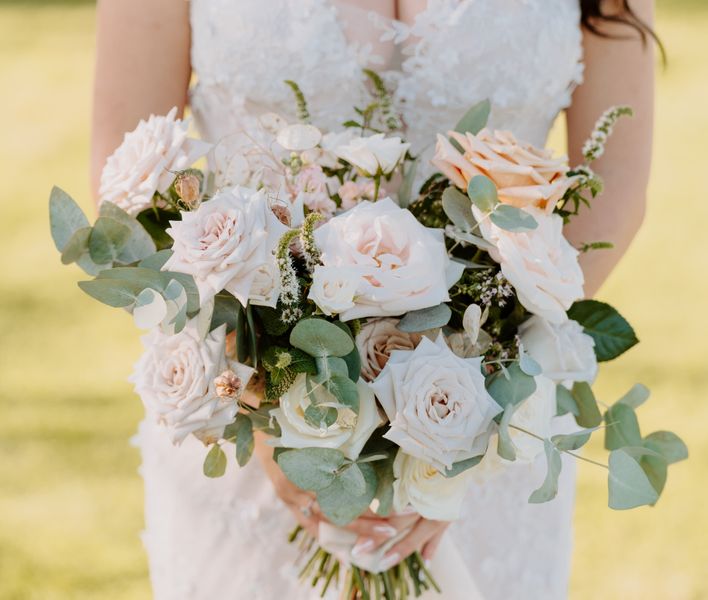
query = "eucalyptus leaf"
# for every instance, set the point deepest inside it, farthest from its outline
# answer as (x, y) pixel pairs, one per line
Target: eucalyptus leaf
(65, 217)
(628, 483)
(622, 427)
(511, 218)
(77, 246)
(462, 466)
(528, 365)
(636, 396)
(321, 417)
(505, 445)
(565, 403)
(384, 488)
(588, 412)
(468, 238)
(424, 319)
(113, 292)
(318, 337)
(668, 444)
(215, 462)
(340, 506)
(227, 310)
(311, 469)
(156, 261)
(149, 310)
(475, 119)
(405, 190)
(612, 334)
(107, 240)
(139, 244)
(572, 441)
(352, 479)
(344, 390)
(353, 359)
(244, 439)
(549, 487)
(329, 366)
(511, 386)
(458, 208)
(483, 193)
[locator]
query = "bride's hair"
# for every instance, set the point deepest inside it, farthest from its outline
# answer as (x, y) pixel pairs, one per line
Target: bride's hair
(593, 17)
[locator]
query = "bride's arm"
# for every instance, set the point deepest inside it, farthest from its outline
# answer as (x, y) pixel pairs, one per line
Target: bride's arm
(618, 71)
(142, 67)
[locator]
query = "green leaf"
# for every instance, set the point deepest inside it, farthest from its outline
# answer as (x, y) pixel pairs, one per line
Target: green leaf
(139, 244)
(528, 365)
(244, 439)
(311, 469)
(271, 321)
(458, 208)
(353, 359)
(475, 119)
(339, 505)
(318, 337)
(215, 462)
(252, 337)
(565, 403)
(612, 334)
(483, 193)
(512, 218)
(588, 413)
(344, 390)
(426, 318)
(65, 217)
(549, 487)
(510, 387)
(635, 397)
(622, 427)
(113, 292)
(384, 488)
(77, 246)
(302, 362)
(155, 261)
(321, 417)
(352, 479)
(328, 367)
(405, 190)
(227, 310)
(505, 446)
(107, 240)
(628, 483)
(668, 444)
(572, 441)
(462, 466)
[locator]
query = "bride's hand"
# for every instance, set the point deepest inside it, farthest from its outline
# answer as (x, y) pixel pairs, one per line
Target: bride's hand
(424, 537)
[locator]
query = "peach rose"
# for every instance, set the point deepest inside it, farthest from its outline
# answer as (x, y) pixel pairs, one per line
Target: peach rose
(375, 342)
(524, 175)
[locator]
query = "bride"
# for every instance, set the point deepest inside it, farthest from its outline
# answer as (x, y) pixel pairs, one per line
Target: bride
(226, 60)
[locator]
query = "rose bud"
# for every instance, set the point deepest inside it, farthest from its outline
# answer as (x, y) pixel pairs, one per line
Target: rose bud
(228, 385)
(188, 188)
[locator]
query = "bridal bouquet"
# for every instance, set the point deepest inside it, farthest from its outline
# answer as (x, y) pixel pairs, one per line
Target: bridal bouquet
(399, 341)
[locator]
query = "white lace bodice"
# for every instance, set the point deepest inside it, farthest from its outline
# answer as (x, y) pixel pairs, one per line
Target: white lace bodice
(523, 55)
(208, 538)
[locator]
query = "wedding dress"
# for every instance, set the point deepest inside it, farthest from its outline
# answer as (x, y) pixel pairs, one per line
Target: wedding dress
(226, 538)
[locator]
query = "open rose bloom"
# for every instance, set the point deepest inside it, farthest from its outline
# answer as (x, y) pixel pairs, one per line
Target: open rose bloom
(386, 343)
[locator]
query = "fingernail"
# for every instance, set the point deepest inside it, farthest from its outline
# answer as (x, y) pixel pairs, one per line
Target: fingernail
(408, 510)
(390, 560)
(363, 547)
(386, 530)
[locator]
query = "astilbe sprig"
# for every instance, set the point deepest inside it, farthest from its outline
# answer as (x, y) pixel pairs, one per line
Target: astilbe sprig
(310, 251)
(289, 285)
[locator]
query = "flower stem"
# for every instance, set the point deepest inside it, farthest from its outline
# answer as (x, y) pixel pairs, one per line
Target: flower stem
(573, 454)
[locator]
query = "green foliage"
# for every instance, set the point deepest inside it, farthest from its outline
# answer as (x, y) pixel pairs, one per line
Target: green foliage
(588, 412)
(505, 445)
(242, 431)
(405, 190)
(510, 386)
(512, 218)
(528, 365)
(475, 119)
(311, 469)
(483, 193)
(572, 441)
(227, 310)
(668, 445)
(424, 319)
(565, 403)
(303, 114)
(215, 462)
(636, 477)
(339, 502)
(463, 465)
(549, 487)
(139, 244)
(636, 396)
(384, 488)
(612, 334)
(458, 208)
(622, 427)
(318, 337)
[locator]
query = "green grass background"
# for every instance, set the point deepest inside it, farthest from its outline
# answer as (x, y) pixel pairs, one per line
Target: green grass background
(70, 495)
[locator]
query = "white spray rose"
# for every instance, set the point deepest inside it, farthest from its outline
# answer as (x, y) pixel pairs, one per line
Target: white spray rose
(375, 342)
(436, 402)
(401, 264)
(175, 378)
(534, 415)
(420, 485)
(348, 433)
(375, 154)
(333, 289)
(147, 161)
(225, 242)
(565, 352)
(265, 289)
(541, 264)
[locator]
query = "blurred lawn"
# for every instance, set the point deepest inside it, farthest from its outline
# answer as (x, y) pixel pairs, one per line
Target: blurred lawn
(70, 496)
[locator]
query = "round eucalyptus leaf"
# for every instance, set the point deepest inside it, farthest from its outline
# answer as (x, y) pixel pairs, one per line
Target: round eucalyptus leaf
(483, 193)
(318, 337)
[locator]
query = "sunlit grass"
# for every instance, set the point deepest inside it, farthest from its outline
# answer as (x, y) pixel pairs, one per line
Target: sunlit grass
(70, 496)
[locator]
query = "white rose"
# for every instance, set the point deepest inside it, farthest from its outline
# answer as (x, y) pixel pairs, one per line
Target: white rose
(375, 154)
(534, 415)
(225, 242)
(148, 161)
(175, 380)
(438, 407)
(420, 485)
(265, 289)
(348, 433)
(565, 352)
(375, 342)
(333, 289)
(541, 264)
(401, 264)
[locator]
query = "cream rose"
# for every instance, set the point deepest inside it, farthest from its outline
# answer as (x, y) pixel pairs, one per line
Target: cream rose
(375, 342)
(333, 289)
(524, 175)
(421, 486)
(374, 155)
(265, 289)
(438, 407)
(401, 264)
(226, 242)
(175, 378)
(534, 415)
(348, 433)
(564, 351)
(541, 264)
(147, 161)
